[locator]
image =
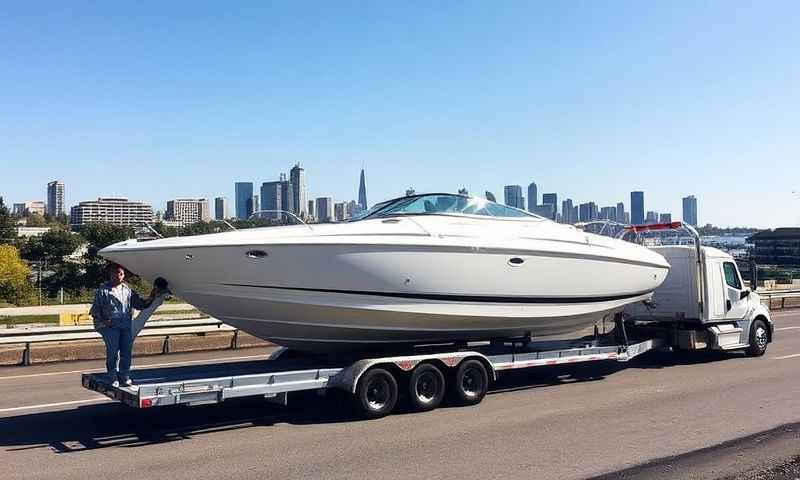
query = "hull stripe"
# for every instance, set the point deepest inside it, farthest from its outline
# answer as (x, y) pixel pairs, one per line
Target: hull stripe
(452, 298)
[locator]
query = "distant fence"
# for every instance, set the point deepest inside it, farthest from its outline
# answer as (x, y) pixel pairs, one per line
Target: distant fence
(780, 299)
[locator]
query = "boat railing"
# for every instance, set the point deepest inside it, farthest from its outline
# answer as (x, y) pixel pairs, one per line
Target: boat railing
(300, 220)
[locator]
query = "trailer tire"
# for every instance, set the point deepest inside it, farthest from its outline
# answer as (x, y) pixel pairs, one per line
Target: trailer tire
(426, 387)
(376, 393)
(470, 383)
(759, 339)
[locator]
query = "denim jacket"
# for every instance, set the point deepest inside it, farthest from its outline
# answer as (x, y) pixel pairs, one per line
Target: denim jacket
(108, 307)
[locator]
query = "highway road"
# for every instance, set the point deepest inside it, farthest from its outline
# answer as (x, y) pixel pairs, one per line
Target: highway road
(572, 422)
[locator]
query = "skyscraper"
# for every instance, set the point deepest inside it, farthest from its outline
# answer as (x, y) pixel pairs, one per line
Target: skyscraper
(533, 197)
(187, 211)
(311, 212)
(665, 218)
(362, 192)
(271, 199)
(490, 196)
(297, 176)
(287, 196)
(637, 208)
(220, 208)
(566, 212)
(324, 209)
(513, 196)
(55, 198)
(621, 212)
(690, 210)
(244, 200)
(552, 199)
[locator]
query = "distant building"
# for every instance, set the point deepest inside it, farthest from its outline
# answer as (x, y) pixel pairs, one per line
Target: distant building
(273, 199)
(256, 203)
(545, 210)
(513, 196)
(776, 247)
(116, 210)
(587, 212)
(28, 208)
(362, 191)
(339, 209)
(312, 213)
(690, 210)
(533, 196)
(297, 177)
(27, 232)
(567, 211)
(324, 208)
(627, 218)
(665, 218)
(186, 211)
(608, 213)
(221, 208)
(552, 199)
(55, 198)
(351, 209)
(621, 212)
(244, 200)
(490, 196)
(637, 208)
(652, 217)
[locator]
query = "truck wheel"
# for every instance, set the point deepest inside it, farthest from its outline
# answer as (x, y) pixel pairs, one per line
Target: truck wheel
(376, 393)
(759, 339)
(470, 383)
(426, 387)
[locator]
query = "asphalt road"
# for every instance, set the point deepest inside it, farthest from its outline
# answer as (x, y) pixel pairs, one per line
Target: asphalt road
(651, 418)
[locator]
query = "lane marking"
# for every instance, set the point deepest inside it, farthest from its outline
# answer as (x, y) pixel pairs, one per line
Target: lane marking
(59, 404)
(787, 328)
(794, 355)
(165, 364)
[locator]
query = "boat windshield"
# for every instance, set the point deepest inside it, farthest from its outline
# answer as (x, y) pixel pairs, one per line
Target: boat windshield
(444, 204)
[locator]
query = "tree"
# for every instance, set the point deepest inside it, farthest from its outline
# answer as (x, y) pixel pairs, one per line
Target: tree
(8, 227)
(14, 274)
(100, 235)
(52, 249)
(35, 220)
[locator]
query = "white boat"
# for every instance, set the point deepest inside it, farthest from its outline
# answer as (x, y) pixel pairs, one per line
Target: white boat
(420, 269)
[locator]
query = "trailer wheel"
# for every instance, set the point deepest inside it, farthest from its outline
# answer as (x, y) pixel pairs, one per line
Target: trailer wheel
(376, 393)
(426, 387)
(470, 383)
(759, 339)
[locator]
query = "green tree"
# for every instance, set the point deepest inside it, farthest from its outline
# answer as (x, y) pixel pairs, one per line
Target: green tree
(98, 236)
(8, 227)
(14, 275)
(35, 220)
(52, 249)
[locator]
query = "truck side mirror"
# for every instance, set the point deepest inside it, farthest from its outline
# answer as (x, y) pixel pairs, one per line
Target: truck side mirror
(744, 294)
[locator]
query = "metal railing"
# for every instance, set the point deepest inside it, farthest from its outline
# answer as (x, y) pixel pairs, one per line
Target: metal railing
(778, 299)
(166, 328)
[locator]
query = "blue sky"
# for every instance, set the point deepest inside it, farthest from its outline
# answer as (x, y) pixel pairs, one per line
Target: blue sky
(158, 100)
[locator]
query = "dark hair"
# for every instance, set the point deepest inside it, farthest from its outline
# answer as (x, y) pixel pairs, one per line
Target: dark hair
(113, 266)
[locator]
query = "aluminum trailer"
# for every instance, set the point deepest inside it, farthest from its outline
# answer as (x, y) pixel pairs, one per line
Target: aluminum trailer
(425, 374)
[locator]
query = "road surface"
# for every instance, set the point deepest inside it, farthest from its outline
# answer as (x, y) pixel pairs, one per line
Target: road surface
(573, 422)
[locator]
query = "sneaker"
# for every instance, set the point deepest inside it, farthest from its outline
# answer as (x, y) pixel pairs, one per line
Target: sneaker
(127, 382)
(115, 383)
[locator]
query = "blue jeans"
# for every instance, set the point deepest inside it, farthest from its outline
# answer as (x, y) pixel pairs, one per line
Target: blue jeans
(119, 346)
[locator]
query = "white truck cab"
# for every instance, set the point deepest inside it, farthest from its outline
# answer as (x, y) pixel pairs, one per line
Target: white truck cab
(705, 297)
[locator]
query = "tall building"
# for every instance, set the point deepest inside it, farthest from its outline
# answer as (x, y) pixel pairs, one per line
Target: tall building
(55, 198)
(287, 196)
(244, 200)
(31, 207)
(566, 212)
(362, 192)
(637, 208)
(608, 213)
(116, 210)
(552, 199)
(256, 204)
(339, 211)
(220, 208)
(690, 210)
(652, 217)
(513, 196)
(621, 212)
(297, 177)
(533, 197)
(587, 212)
(665, 218)
(545, 210)
(490, 196)
(186, 211)
(271, 199)
(324, 209)
(312, 213)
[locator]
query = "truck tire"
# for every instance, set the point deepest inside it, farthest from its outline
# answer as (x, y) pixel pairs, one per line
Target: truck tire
(426, 387)
(376, 393)
(470, 383)
(759, 339)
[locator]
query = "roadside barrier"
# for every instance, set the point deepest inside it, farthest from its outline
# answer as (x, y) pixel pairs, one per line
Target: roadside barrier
(780, 299)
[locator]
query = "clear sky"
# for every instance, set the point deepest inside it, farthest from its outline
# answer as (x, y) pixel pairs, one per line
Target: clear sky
(158, 100)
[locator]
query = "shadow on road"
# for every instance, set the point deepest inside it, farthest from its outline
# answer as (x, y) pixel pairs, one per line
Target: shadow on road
(115, 425)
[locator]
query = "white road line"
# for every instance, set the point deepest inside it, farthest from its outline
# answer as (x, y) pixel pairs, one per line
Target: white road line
(166, 364)
(787, 328)
(787, 356)
(59, 404)
(785, 314)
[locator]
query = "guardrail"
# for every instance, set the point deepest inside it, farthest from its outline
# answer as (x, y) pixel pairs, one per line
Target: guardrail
(783, 297)
(165, 328)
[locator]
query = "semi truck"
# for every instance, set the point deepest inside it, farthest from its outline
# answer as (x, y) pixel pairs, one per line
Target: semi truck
(702, 305)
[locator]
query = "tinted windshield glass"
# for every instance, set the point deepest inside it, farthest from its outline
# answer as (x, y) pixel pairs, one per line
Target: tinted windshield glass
(446, 204)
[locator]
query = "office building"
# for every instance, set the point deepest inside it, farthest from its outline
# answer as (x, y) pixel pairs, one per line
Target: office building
(186, 211)
(652, 217)
(533, 196)
(324, 208)
(220, 208)
(545, 210)
(116, 210)
(608, 213)
(362, 192)
(665, 218)
(513, 196)
(297, 177)
(28, 208)
(621, 212)
(339, 211)
(244, 200)
(490, 196)
(587, 212)
(552, 199)
(55, 198)
(776, 247)
(637, 208)
(312, 213)
(690, 210)
(272, 198)
(567, 211)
